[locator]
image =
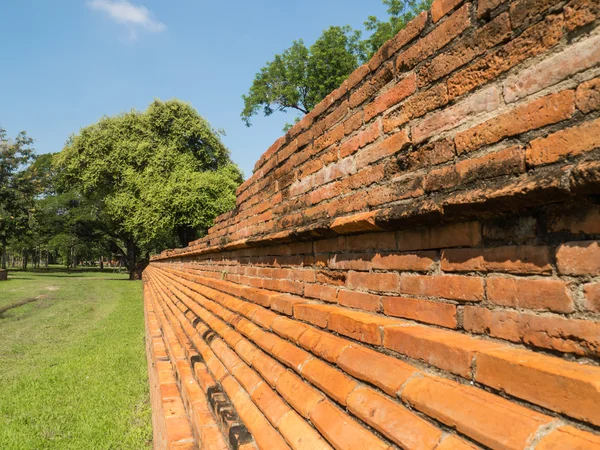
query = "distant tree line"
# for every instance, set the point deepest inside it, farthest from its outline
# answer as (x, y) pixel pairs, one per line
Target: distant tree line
(300, 77)
(121, 189)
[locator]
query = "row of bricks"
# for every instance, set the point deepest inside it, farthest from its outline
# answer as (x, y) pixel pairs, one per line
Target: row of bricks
(203, 422)
(558, 183)
(585, 219)
(565, 68)
(461, 200)
(542, 331)
(227, 366)
(446, 350)
(346, 353)
(413, 433)
(453, 235)
(171, 425)
(195, 384)
(580, 258)
(207, 371)
(554, 332)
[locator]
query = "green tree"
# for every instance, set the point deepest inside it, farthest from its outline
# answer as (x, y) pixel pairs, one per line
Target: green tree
(301, 77)
(158, 177)
(400, 13)
(16, 189)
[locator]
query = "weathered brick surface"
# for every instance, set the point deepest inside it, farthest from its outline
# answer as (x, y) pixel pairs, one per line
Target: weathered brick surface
(415, 264)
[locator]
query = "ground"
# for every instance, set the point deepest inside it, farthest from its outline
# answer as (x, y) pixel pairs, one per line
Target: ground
(72, 362)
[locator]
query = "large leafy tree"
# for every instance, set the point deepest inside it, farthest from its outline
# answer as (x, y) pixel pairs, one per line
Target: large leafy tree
(16, 190)
(301, 77)
(158, 177)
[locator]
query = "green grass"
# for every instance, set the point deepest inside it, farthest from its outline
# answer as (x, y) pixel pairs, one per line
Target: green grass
(72, 362)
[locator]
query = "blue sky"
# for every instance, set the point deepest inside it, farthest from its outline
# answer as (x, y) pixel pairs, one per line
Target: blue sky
(66, 63)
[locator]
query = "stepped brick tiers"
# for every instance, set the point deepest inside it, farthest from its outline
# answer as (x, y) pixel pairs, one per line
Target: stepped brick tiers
(415, 264)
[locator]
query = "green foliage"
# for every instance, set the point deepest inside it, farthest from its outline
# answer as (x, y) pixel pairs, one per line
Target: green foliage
(300, 77)
(157, 176)
(16, 189)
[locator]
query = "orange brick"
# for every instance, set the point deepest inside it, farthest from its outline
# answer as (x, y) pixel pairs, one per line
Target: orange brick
(455, 287)
(526, 259)
(562, 386)
(531, 42)
(578, 57)
(393, 420)
(482, 416)
(439, 8)
(333, 382)
(582, 220)
(413, 261)
(588, 93)
(466, 234)
(385, 148)
(290, 329)
(343, 432)
(579, 258)
(392, 96)
(322, 292)
(564, 143)
(591, 293)
(438, 313)
(269, 369)
(407, 34)
(299, 434)
(290, 355)
(269, 402)
(436, 39)
(530, 294)
(569, 437)
(315, 314)
(485, 100)
(466, 50)
(381, 282)
(360, 300)
(354, 223)
(246, 377)
(416, 105)
(455, 443)
(363, 327)
(536, 114)
(551, 331)
(446, 350)
(579, 13)
(285, 303)
(302, 397)
(323, 344)
(373, 367)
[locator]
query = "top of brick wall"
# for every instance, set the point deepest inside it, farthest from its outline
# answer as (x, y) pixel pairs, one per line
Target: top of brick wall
(473, 108)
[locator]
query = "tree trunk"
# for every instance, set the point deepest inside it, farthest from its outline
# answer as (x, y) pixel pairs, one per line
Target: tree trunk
(3, 255)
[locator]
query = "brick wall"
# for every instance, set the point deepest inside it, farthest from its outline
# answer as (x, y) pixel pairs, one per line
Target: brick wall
(415, 264)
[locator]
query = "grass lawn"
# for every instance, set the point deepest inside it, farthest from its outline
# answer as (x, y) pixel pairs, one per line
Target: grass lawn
(72, 362)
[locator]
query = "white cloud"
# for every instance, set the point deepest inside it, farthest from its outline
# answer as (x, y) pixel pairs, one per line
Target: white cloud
(134, 17)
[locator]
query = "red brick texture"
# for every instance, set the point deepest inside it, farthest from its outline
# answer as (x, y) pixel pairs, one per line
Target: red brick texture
(414, 265)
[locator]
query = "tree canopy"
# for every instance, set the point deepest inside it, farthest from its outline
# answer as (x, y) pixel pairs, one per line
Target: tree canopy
(16, 187)
(300, 77)
(158, 177)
